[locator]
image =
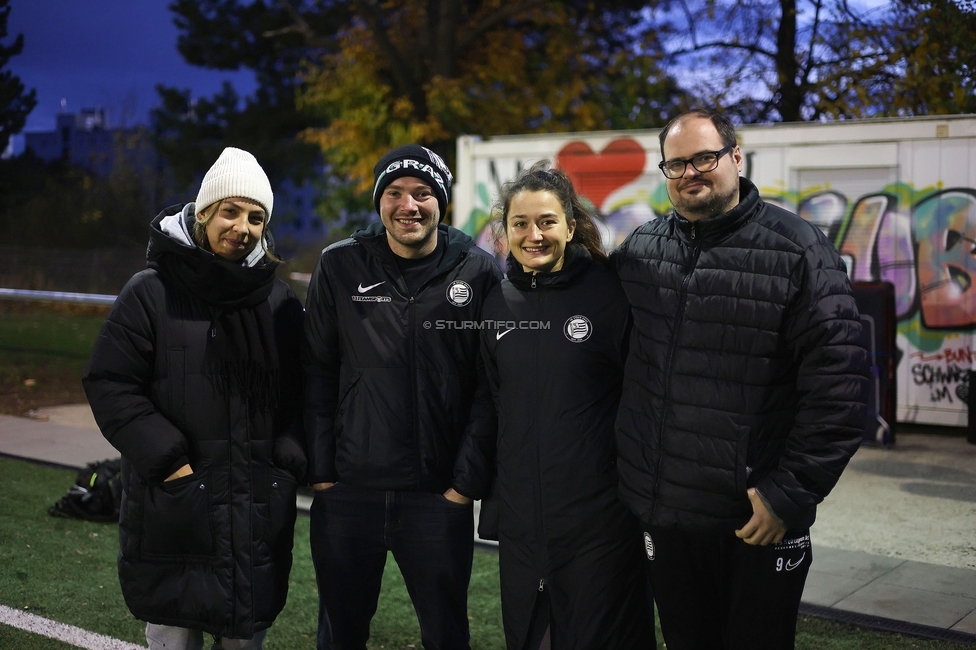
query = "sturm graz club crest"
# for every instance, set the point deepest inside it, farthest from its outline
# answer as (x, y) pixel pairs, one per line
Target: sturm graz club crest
(648, 545)
(577, 329)
(459, 293)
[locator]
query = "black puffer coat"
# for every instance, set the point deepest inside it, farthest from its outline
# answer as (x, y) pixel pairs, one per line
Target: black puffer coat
(745, 370)
(554, 355)
(394, 399)
(212, 550)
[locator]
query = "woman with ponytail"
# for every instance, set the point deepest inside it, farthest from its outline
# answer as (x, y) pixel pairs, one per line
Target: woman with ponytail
(570, 554)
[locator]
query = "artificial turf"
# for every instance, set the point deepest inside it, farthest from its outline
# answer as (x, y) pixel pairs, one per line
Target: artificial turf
(65, 570)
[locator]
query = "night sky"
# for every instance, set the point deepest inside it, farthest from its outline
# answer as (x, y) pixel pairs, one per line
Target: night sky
(104, 53)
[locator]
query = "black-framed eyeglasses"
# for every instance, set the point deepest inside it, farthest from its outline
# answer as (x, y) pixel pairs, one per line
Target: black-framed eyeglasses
(704, 162)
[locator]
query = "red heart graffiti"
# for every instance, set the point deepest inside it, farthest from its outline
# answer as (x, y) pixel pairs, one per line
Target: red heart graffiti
(596, 175)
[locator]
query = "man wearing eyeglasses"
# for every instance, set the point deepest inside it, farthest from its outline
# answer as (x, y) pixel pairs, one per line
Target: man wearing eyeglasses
(744, 394)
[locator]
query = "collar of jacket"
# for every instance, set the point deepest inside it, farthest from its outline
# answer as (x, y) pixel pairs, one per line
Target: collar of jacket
(226, 285)
(714, 229)
(577, 260)
(373, 239)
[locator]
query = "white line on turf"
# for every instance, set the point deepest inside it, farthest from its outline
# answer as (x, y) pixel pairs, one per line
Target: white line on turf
(68, 633)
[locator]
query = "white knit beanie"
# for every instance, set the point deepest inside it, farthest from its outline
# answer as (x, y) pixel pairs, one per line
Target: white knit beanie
(236, 173)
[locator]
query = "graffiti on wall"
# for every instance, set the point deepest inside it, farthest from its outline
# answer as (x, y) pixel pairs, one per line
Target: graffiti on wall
(921, 240)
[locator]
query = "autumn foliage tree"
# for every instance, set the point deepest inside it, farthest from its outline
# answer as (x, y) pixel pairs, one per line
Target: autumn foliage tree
(430, 70)
(366, 75)
(926, 63)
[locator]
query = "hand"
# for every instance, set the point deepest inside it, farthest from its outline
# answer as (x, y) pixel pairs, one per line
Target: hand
(318, 487)
(456, 497)
(763, 528)
(289, 456)
(186, 470)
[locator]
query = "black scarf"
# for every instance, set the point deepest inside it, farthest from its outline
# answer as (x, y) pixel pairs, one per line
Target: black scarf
(243, 345)
(241, 339)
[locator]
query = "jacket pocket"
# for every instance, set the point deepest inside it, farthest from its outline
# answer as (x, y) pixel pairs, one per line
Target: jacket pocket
(281, 504)
(177, 517)
(742, 469)
(346, 395)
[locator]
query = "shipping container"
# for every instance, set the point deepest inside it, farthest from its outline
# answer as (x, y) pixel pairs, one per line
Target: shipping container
(897, 197)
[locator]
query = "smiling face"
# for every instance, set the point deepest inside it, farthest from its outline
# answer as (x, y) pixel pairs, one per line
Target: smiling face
(537, 231)
(235, 228)
(697, 195)
(409, 211)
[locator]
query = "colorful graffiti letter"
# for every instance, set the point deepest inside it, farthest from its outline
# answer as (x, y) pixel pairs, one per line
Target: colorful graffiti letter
(826, 211)
(945, 229)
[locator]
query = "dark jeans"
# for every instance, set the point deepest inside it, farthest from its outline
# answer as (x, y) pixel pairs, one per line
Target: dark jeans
(717, 593)
(431, 539)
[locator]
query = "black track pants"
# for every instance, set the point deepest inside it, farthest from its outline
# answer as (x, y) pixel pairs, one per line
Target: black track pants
(717, 593)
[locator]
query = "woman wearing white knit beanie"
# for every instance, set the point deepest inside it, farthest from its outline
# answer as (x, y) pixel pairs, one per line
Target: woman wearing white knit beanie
(195, 378)
(233, 207)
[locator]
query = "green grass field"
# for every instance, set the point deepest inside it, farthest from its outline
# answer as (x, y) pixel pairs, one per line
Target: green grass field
(43, 351)
(63, 569)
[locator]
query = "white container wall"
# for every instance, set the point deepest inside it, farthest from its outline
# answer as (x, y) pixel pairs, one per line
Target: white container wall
(896, 196)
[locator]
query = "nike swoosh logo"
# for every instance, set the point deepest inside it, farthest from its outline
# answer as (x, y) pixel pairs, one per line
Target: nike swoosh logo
(499, 335)
(790, 566)
(363, 289)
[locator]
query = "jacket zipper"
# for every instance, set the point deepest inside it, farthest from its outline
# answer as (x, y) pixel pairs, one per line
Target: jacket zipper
(683, 295)
(538, 452)
(412, 307)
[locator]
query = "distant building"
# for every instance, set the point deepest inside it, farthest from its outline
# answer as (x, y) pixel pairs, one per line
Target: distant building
(83, 139)
(297, 223)
(295, 220)
(86, 140)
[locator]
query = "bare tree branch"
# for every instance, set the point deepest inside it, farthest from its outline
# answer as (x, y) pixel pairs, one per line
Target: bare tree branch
(299, 26)
(807, 67)
(747, 47)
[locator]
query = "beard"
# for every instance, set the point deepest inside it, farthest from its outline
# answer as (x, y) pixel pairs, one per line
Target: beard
(712, 204)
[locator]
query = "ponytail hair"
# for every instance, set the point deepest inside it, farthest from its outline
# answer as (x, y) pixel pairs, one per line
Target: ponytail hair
(543, 177)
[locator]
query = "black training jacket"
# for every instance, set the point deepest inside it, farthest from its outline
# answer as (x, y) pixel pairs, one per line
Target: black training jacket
(212, 550)
(395, 397)
(555, 357)
(745, 368)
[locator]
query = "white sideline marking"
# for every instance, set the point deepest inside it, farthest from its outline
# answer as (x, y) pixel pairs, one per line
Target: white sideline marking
(68, 633)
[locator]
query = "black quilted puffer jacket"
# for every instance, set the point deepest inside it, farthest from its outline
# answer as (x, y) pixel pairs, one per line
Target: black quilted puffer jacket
(744, 371)
(211, 550)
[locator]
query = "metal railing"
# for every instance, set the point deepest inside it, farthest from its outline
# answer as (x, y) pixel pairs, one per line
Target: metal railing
(57, 296)
(303, 499)
(30, 295)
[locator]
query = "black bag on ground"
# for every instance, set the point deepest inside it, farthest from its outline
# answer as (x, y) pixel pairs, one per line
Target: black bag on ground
(96, 494)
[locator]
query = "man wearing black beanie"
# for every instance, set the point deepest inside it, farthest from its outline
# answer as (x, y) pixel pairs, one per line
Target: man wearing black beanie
(399, 421)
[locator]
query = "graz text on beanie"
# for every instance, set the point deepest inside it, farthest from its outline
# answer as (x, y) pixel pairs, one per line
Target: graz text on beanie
(418, 162)
(236, 174)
